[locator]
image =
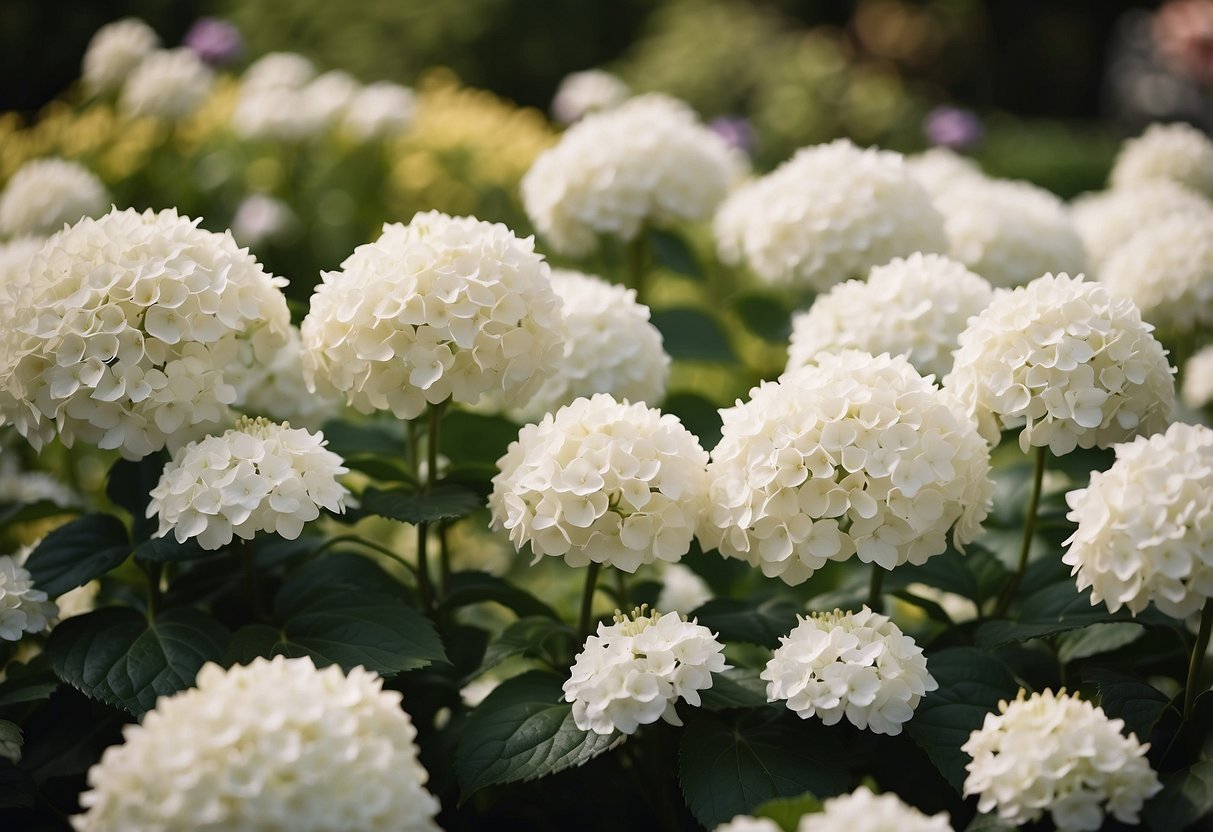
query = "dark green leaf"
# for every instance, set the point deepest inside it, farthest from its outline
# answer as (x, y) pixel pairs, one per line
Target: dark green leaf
(30, 682)
(271, 550)
(166, 549)
(76, 552)
(531, 637)
(977, 575)
(28, 512)
(475, 438)
(337, 572)
(787, 811)
(698, 415)
(693, 334)
(476, 587)
(17, 788)
(765, 316)
(1123, 696)
(1097, 639)
(671, 252)
(129, 484)
(10, 737)
(1187, 796)
(380, 468)
(382, 439)
(756, 622)
(737, 687)
(1057, 608)
(446, 503)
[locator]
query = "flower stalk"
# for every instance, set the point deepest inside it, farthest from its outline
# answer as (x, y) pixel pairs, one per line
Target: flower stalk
(1029, 531)
(1198, 655)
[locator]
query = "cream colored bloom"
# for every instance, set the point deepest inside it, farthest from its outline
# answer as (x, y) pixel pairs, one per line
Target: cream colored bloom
(745, 823)
(863, 811)
(115, 50)
(1108, 219)
(681, 589)
(45, 194)
(1198, 379)
(168, 84)
(939, 168)
(276, 389)
(23, 607)
(1178, 152)
(379, 110)
(589, 91)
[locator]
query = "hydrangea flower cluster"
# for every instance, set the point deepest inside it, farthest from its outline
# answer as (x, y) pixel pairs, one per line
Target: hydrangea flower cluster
(129, 329)
(1178, 152)
(582, 93)
(916, 307)
(632, 672)
(1106, 220)
(23, 607)
(18, 486)
(379, 110)
(257, 477)
(649, 160)
(828, 214)
(277, 390)
(276, 744)
(442, 308)
(940, 168)
(746, 823)
(260, 218)
(854, 664)
(46, 193)
(1198, 379)
(681, 589)
(282, 97)
(114, 51)
(1059, 754)
(854, 455)
(602, 481)
(168, 84)
(863, 811)
(1069, 362)
(1145, 526)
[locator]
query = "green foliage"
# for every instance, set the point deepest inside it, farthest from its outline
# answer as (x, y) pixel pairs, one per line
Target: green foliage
(691, 334)
(77, 552)
(1186, 798)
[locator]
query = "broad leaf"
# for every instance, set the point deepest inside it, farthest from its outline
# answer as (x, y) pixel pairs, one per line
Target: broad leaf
(129, 484)
(28, 512)
(446, 503)
(166, 549)
(737, 687)
(672, 252)
(535, 637)
(30, 682)
(77, 552)
(380, 439)
(698, 415)
(1126, 697)
(689, 333)
(17, 789)
(10, 741)
(1187, 796)
(765, 316)
(1057, 608)
(335, 573)
(756, 622)
(475, 438)
(1097, 639)
(476, 587)
(977, 575)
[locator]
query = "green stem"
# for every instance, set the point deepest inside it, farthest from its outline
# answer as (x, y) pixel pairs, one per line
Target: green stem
(252, 586)
(361, 541)
(153, 571)
(424, 582)
(587, 602)
(637, 264)
(1029, 531)
(1198, 655)
(875, 596)
(621, 589)
(444, 559)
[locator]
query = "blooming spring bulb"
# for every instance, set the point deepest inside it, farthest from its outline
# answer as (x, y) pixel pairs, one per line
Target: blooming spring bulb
(1107, 219)
(589, 91)
(1197, 389)
(1145, 526)
(442, 308)
(830, 213)
(1178, 152)
(1057, 753)
(257, 477)
(649, 160)
(853, 455)
(854, 664)
(632, 672)
(276, 744)
(1064, 358)
(46, 193)
(115, 50)
(379, 110)
(167, 84)
(23, 607)
(863, 811)
(129, 330)
(916, 307)
(602, 481)
(277, 390)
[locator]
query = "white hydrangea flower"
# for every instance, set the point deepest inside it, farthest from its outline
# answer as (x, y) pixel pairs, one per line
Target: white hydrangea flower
(272, 102)
(940, 168)
(854, 664)
(442, 308)
(602, 481)
(588, 91)
(828, 214)
(1056, 753)
(681, 589)
(916, 307)
(1145, 526)
(277, 390)
(257, 477)
(260, 218)
(279, 69)
(1198, 379)
(18, 486)
(16, 255)
(745, 823)
(323, 101)
(276, 744)
(632, 672)
(129, 329)
(115, 50)
(1009, 232)
(1178, 152)
(649, 160)
(853, 455)
(1107, 219)
(379, 110)
(1071, 363)
(1166, 269)
(44, 194)
(863, 811)
(23, 607)
(168, 84)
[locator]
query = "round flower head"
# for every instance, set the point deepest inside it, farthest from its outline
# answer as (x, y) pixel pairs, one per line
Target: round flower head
(1106, 220)
(379, 110)
(115, 50)
(863, 811)
(46, 193)
(1166, 269)
(853, 455)
(257, 477)
(19, 486)
(681, 589)
(830, 213)
(649, 160)
(168, 84)
(1178, 152)
(15, 258)
(442, 308)
(632, 672)
(23, 607)
(260, 218)
(271, 99)
(587, 92)
(276, 744)
(1145, 526)
(1198, 379)
(277, 390)
(1056, 753)
(1069, 362)
(1009, 232)
(613, 483)
(855, 664)
(916, 307)
(746, 823)
(129, 330)
(939, 168)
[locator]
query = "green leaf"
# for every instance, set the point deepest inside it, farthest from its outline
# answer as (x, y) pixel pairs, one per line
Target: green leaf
(32, 682)
(475, 438)
(737, 687)
(521, 731)
(129, 483)
(672, 252)
(337, 572)
(28, 512)
(787, 811)
(977, 575)
(764, 315)
(119, 657)
(730, 767)
(533, 637)
(17, 789)
(1097, 639)
(988, 823)
(1124, 696)
(971, 683)
(76, 552)
(1057, 608)
(380, 439)
(166, 549)
(698, 415)
(476, 587)
(446, 503)
(1186, 797)
(692, 334)
(756, 622)
(10, 739)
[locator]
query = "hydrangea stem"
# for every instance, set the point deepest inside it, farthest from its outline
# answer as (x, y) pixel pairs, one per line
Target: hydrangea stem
(875, 595)
(1029, 531)
(152, 571)
(424, 583)
(587, 602)
(1198, 655)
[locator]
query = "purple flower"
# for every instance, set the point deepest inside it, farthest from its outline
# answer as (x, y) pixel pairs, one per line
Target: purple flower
(953, 128)
(215, 41)
(736, 132)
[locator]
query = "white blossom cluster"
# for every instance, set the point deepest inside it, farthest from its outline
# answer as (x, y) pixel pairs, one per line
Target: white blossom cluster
(23, 607)
(939, 168)
(602, 481)
(632, 672)
(1071, 363)
(114, 51)
(18, 486)
(15, 257)
(852, 455)
(649, 160)
(257, 477)
(915, 307)
(282, 97)
(379, 110)
(681, 589)
(855, 664)
(276, 744)
(1178, 152)
(1059, 754)
(276, 389)
(46, 193)
(585, 92)
(1197, 389)
(260, 218)
(442, 308)
(168, 84)
(1107, 219)
(746, 823)
(830, 213)
(1145, 526)
(863, 811)
(128, 330)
